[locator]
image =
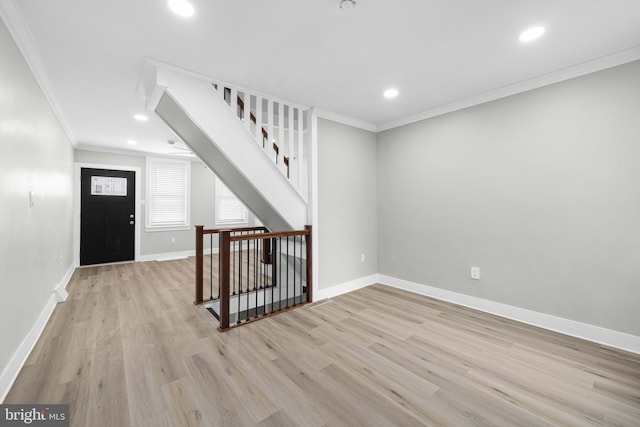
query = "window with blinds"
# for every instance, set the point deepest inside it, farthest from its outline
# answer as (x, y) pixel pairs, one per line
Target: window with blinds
(229, 210)
(167, 204)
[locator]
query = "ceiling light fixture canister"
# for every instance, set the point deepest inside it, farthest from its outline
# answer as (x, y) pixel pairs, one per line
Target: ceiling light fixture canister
(347, 4)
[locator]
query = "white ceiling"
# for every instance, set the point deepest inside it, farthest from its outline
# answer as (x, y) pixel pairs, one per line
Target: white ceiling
(89, 54)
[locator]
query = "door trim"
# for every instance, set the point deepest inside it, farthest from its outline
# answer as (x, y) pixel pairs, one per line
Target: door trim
(76, 205)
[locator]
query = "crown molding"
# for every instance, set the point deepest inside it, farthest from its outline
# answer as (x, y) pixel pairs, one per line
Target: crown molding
(345, 120)
(136, 153)
(610, 61)
(151, 65)
(19, 30)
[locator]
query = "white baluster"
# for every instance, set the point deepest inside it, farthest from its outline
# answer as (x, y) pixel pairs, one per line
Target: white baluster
(300, 148)
(259, 120)
(269, 146)
(283, 167)
(234, 101)
(247, 110)
(290, 146)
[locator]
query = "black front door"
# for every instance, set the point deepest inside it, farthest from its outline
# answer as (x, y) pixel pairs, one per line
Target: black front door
(107, 216)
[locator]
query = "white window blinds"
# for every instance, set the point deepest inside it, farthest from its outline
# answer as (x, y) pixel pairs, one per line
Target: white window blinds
(229, 210)
(167, 193)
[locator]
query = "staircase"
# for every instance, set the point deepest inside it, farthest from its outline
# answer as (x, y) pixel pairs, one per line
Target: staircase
(255, 144)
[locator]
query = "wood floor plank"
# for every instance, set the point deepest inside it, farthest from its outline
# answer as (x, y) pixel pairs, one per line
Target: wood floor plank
(129, 348)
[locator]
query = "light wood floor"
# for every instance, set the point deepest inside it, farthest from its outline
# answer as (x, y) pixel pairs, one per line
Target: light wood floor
(129, 348)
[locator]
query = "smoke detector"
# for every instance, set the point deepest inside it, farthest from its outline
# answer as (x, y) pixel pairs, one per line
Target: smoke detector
(347, 4)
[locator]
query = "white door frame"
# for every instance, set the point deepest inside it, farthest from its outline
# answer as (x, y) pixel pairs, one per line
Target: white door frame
(76, 205)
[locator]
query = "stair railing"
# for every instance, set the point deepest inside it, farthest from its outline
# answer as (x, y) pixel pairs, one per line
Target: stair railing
(279, 127)
(207, 272)
(259, 273)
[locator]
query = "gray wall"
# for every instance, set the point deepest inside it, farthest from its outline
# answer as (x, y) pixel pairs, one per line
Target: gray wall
(202, 203)
(540, 190)
(35, 243)
(346, 203)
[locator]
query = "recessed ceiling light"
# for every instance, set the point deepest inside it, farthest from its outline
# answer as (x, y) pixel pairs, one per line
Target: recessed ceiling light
(391, 93)
(141, 117)
(347, 4)
(532, 34)
(131, 142)
(181, 7)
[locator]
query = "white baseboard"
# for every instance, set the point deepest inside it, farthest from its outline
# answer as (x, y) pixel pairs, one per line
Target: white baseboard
(572, 328)
(168, 256)
(19, 358)
(343, 288)
(17, 361)
(60, 291)
(584, 331)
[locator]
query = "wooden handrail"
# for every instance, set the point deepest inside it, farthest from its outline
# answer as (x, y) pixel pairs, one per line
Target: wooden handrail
(233, 230)
(274, 235)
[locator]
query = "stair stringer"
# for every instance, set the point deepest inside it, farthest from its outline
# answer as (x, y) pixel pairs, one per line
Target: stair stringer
(197, 113)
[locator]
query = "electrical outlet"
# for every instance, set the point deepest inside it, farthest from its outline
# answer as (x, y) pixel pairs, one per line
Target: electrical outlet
(475, 273)
(173, 240)
(362, 258)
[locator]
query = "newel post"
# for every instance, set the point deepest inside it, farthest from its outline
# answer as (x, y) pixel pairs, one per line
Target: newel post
(199, 263)
(308, 242)
(225, 274)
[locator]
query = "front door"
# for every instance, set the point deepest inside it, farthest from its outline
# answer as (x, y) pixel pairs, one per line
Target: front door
(107, 216)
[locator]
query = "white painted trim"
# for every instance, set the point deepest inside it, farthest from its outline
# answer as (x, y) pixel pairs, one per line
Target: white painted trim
(151, 63)
(131, 152)
(346, 287)
(61, 294)
(19, 358)
(596, 334)
(60, 291)
(167, 256)
(17, 361)
(593, 66)
(345, 120)
(76, 205)
(17, 26)
(572, 328)
(312, 208)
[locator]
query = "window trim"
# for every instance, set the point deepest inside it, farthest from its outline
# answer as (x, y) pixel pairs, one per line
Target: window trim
(150, 163)
(218, 223)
